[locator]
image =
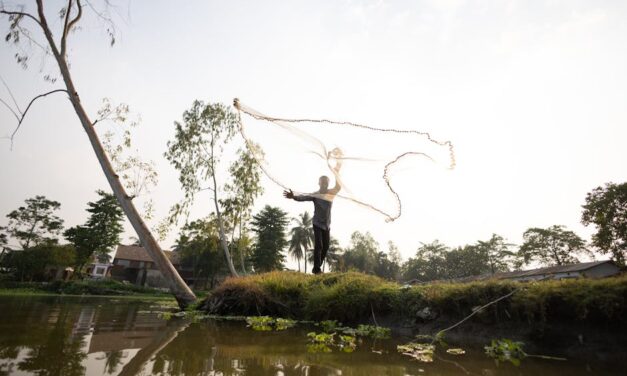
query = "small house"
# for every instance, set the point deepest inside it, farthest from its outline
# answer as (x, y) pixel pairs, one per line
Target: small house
(133, 264)
(594, 269)
(98, 270)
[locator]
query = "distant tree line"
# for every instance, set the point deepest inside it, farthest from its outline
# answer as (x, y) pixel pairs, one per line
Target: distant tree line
(36, 228)
(605, 207)
(264, 242)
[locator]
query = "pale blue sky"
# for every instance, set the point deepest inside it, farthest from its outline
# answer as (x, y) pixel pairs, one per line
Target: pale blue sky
(531, 93)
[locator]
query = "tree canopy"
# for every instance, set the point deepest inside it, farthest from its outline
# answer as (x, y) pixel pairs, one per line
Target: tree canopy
(552, 246)
(101, 233)
(35, 223)
(30, 264)
(196, 152)
(270, 227)
(198, 247)
(361, 253)
(606, 208)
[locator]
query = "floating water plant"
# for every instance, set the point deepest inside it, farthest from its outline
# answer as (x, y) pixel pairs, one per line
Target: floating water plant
(267, 323)
(456, 351)
(422, 352)
(371, 331)
(506, 350)
(347, 343)
(320, 342)
(165, 315)
(282, 324)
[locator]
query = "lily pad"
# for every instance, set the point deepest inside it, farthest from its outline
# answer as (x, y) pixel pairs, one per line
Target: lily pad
(422, 352)
(456, 351)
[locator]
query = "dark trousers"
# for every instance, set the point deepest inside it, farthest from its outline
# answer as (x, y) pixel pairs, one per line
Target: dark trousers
(321, 246)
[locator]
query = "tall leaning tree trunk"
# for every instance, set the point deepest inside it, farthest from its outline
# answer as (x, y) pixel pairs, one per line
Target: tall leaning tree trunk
(223, 242)
(239, 246)
(178, 287)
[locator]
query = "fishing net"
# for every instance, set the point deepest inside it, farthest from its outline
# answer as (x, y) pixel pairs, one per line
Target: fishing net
(366, 161)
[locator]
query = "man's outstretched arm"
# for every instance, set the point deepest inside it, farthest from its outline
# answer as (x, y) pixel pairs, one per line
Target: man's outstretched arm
(289, 194)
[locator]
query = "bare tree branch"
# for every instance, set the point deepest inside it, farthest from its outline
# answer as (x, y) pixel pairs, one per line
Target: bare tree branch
(10, 109)
(66, 20)
(70, 23)
(78, 16)
(23, 114)
(26, 33)
(11, 94)
(20, 14)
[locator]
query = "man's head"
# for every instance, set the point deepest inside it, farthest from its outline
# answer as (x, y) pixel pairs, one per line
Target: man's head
(323, 181)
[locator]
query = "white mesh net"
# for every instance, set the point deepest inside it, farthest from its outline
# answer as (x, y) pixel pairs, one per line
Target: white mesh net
(294, 153)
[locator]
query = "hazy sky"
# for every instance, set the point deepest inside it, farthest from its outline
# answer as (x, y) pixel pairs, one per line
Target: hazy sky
(532, 94)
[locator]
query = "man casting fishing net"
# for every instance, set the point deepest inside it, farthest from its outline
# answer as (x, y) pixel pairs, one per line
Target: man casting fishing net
(372, 158)
(323, 201)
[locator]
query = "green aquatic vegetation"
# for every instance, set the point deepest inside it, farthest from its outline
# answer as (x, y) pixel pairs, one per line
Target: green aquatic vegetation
(326, 338)
(320, 342)
(260, 323)
(282, 324)
(375, 332)
(165, 315)
(194, 316)
(506, 350)
(456, 351)
(330, 325)
(347, 343)
(325, 342)
(267, 323)
(422, 352)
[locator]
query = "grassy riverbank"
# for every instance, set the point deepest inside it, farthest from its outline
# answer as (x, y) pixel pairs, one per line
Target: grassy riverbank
(86, 287)
(356, 297)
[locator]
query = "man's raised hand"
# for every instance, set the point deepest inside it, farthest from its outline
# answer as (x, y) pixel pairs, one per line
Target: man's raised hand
(288, 194)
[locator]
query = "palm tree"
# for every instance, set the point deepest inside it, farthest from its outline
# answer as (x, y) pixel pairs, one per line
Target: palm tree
(301, 238)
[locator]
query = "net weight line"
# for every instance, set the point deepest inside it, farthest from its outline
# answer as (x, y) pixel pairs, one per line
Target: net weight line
(257, 154)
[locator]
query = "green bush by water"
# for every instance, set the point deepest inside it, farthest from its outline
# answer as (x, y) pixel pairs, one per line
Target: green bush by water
(353, 297)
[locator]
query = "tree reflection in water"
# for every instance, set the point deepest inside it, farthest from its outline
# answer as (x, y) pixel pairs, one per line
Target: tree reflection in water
(89, 336)
(61, 354)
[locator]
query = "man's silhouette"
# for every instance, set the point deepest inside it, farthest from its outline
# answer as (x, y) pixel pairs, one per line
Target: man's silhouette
(323, 201)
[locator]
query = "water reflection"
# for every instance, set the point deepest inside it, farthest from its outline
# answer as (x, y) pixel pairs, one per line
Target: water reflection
(74, 336)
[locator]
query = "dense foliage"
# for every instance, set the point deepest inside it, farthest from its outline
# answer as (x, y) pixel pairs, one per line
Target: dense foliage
(35, 223)
(198, 247)
(196, 153)
(40, 262)
(606, 208)
(554, 246)
(101, 233)
(269, 226)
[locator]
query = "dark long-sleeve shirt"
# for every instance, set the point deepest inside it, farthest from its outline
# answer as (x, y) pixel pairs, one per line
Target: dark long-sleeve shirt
(322, 211)
(322, 207)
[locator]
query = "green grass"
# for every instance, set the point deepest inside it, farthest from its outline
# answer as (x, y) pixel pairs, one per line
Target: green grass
(80, 288)
(352, 297)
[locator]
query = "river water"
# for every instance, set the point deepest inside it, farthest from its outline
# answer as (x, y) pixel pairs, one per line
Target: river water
(69, 336)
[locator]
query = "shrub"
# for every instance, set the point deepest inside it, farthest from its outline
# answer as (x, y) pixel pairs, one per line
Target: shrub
(353, 297)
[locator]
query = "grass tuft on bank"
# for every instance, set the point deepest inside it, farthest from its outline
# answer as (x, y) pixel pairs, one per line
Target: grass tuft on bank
(354, 297)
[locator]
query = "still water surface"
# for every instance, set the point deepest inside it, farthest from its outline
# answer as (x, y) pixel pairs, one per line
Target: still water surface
(68, 336)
